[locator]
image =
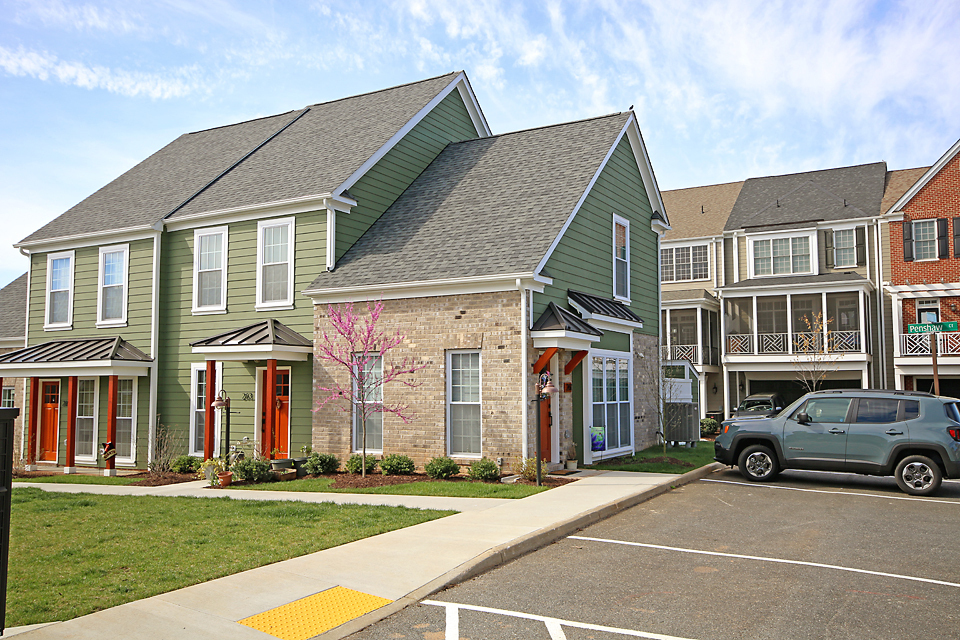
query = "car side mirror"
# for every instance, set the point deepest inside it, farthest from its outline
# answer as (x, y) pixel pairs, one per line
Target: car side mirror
(803, 418)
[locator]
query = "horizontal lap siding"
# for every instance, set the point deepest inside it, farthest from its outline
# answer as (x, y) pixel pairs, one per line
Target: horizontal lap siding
(382, 185)
(583, 259)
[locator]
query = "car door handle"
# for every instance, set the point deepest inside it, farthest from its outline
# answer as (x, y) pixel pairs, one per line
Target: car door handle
(893, 432)
(835, 430)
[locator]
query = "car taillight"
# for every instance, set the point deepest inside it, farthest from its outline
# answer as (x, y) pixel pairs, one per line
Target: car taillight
(954, 433)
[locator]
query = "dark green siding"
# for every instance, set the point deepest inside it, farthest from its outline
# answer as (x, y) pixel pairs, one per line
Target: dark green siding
(382, 185)
(583, 259)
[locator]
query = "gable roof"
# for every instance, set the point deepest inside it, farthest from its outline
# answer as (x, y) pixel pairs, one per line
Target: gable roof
(897, 184)
(699, 211)
(321, 147)
(829, 195)
(13, 309)
(264, 333)
(485, 207)
(556, 318)
(926, 177)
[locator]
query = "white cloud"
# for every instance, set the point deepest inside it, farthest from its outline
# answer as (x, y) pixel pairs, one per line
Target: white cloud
(82, 16)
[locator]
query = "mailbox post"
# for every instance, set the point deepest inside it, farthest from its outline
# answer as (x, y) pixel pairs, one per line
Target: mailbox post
(7, 416)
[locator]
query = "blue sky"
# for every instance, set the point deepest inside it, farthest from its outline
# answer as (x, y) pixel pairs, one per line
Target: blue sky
(723, 90)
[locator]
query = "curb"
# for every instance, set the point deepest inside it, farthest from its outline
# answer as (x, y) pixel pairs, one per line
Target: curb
(512, 550)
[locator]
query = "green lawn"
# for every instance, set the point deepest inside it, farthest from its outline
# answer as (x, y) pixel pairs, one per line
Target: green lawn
(446, 489)
(697, 456)
(75, 554)
(79, 479)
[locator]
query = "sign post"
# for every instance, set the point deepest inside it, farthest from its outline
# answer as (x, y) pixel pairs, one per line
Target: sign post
(933, 328)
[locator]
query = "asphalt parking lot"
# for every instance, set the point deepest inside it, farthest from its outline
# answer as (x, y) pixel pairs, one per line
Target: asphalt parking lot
(812, 555)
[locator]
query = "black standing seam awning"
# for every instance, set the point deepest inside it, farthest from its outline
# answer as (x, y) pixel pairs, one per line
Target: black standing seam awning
(91, 356)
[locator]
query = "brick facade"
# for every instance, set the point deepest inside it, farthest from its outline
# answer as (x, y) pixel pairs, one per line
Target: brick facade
(19, 401)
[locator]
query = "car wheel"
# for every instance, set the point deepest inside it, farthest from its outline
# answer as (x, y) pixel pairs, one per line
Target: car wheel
(758, 463)
(919, 475)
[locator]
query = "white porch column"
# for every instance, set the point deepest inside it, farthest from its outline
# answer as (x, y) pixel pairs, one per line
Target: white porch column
(700, 344)
(725, 377)
(824, 321)
(789, 324)
(756, 329)
(703, 395)
(865, 377)
(897, 303)
(898, 381)
(669, 335)
(863, 323)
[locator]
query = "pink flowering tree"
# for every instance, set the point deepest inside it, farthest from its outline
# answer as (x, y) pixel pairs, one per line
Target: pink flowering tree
(357, 345)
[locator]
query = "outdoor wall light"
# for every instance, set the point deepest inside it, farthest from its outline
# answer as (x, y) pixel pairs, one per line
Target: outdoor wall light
(714, 388)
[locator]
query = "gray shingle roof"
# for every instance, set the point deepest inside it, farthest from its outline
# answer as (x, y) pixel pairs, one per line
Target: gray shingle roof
(483, 207)
(13, 309)
(266, 332)
(313, 156)
(829, 194)
(789, 281)
(80, 350)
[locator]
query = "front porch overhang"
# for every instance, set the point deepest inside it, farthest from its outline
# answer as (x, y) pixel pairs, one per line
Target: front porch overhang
(78, 357)
(832, 362)
(80, 369)
(265, 340)
(604, 313)
(796, 285)
(246, 354)
(561, 329)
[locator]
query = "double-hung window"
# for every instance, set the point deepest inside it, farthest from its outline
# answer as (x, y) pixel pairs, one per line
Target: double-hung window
(8, 400)
(925, 240)
(611, 402)
(126, 419)
(198, 407)
(275, 244)
(844, 248)
(373, 396)
(59, 312)
(112, 286)
(781, 256)
(684, 263)
(86, 419)
(621, 258)
(210, 270)
(463, 402)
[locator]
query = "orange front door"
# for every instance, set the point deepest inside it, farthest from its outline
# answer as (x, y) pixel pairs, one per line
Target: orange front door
(546, 421)
(281, 413)
(49, 420)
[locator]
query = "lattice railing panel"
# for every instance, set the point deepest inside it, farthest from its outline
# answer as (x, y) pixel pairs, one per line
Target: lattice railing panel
(845, 341)
(773, 342)
(740, 343)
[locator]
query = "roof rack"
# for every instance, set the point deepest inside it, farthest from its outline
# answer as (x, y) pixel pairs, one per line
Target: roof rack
(922, 394)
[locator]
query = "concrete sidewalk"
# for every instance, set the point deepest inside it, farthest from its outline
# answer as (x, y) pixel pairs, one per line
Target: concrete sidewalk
(394, 569)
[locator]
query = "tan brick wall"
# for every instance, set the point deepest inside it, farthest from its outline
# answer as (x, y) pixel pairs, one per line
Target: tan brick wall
(488, 322)
(19, 402)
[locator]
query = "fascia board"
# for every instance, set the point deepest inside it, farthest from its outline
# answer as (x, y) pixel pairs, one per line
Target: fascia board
(244, 354)
(926, 178)
(64, 370)
(13, 343)
(753, 363)
(891, 217)
(702, 303)
(404, 130)
(797, 290)
(473, 107)
(292, 206)
(571, 340)
(635, 137)
(846, 223)
(924, 290)
(427, 288)
(63, 243)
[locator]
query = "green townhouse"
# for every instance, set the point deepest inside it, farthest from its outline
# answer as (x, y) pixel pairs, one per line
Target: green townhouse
(206, 270)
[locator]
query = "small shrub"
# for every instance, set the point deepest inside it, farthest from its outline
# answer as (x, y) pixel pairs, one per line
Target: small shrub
(353, 464)
(185, 464)
(252, 470)
(709, 427)
(485, 470)
(319, 463)
(527, 468)
(441, 468)
(396, 464)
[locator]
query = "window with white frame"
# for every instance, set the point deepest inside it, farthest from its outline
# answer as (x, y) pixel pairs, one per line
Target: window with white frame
(372, 373)
(844, 248)
(126, 419)
(781, 256)
(59, 314)
(684, 263)
(621, 258)
(611, 402)
(210, 270)
(928, 310)
(463, 402)
(86, 418)
(198, 406)
(275, 263)
(925, 240)
(112, 286)
(8, 400)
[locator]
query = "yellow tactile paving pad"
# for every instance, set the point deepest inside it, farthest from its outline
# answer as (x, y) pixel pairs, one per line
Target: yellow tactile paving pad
(311, 616)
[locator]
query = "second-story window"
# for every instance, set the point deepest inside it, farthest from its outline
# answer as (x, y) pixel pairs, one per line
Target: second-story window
(844, 248)
(112, 299)
(621, 258)
(781, 256)
(59, 290)
(684, 263)
(210, 270)
(275, 263)
(925, 240)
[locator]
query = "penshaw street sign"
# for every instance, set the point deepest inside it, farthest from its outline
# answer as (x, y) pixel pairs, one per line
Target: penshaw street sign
(931, 327)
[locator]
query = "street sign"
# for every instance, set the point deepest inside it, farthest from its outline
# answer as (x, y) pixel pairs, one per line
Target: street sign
(931, 327)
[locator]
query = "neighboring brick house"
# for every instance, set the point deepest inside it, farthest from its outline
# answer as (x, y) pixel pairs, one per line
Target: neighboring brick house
(924, 279)
(13, 336)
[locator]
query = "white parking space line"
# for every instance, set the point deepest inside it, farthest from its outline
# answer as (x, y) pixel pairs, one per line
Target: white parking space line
(833, 493)
(818, 565)
(553, 625)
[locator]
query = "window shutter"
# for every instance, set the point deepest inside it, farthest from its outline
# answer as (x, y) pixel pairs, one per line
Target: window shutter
(943, 242)
(861, 233)
(828, 247)
(956, 237)
(907, 241)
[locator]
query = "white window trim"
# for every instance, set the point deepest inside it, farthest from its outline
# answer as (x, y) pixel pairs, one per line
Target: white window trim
(448, 402)
(288, 302)
(14, 390)
(59, 326)
(96, 424)
(217, 308)
(122, 320)
(194, 368)
(812, 243)
(355, 435)
(913, 235)
(132, 459)
(930, 304)
(588, 402)
(674, 247)
(836, 262)
(626, 223)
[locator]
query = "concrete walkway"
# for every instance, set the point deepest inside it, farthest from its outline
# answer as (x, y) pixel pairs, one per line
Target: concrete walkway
(402, 566)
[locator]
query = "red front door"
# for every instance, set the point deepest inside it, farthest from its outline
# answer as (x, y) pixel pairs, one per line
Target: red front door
(49, 420)
(281, 413)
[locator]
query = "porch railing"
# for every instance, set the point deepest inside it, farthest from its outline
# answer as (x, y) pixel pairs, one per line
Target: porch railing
(803, 342)
(918, 344)
(691, 352)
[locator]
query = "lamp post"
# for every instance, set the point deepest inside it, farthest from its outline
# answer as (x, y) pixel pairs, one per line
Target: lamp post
(223, 402)
(545, 389)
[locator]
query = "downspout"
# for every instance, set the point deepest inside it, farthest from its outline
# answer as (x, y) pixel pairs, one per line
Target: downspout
(882, 342)
(523, 366)
(154, 334)
(24, 415)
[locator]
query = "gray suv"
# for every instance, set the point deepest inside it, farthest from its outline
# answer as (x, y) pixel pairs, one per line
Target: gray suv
(910, 435)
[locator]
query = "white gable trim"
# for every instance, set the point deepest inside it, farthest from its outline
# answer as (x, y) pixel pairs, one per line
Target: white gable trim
(925, 178)
(459, 83)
